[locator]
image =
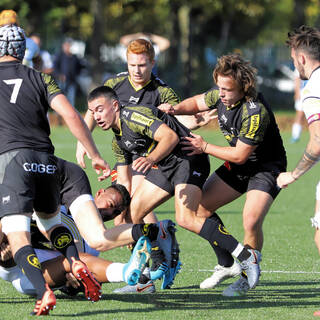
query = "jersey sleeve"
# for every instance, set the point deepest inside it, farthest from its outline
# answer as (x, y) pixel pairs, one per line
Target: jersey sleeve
(311, 108)
(255, 120)
(51, 86)
(167, 95)
(123, 158)
(211, 98)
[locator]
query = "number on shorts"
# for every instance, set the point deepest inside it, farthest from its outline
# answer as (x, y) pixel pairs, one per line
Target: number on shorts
(17, 84)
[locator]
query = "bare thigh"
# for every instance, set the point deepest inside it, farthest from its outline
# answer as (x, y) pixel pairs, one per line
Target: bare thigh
(215, 194)
(146, 198)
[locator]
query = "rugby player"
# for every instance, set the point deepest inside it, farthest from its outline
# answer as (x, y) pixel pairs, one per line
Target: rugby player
(30, 177)
(55, 267)
(254, 158)
(304, 43)
(139, 86)
(32, 48)
(154, 136)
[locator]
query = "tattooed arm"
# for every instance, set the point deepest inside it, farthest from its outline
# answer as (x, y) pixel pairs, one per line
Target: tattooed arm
(310, 157)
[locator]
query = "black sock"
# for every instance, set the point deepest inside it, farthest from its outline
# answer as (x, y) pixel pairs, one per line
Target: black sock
(214, 231)
(27, 260)
(62, 240)
(149, 230)
(224, 257)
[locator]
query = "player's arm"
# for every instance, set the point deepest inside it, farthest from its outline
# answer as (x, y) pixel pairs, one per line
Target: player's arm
(81, 151)
(310, 157)
(189, 106)
(311, 154)
(79, 129)
(166, 140)
(238, 154)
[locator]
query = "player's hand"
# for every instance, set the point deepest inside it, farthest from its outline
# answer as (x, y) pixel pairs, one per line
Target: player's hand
(72, 281)
(167, 108)
(284, 179)
(205, 117)
(195, 144)
(142, 164)
(100, 165)
(80, 153)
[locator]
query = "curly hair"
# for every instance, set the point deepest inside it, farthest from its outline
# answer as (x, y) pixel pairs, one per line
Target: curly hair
(240, 70)
(141, 46)
(306, 39)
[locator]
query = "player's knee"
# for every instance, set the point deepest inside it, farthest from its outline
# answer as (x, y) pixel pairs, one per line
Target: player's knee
(252, 224)
(99, 242)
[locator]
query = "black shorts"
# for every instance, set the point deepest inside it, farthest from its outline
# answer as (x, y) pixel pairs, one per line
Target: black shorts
(158, 176)
(30, 180)
(74, 182)
(188, 170)
(265, 180)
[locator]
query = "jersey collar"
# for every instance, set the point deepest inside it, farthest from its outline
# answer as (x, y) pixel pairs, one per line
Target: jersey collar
(136, 89)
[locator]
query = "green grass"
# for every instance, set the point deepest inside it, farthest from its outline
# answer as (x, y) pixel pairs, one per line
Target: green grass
(289, 286)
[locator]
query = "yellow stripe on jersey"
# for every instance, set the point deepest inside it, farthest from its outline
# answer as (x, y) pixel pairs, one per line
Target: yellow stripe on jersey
(70, 224)
(254, 126)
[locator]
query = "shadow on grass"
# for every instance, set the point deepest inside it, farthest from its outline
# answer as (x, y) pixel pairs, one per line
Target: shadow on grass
(292, 294)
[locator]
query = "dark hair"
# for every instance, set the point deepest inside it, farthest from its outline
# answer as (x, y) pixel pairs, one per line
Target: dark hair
(240, 70)
(105, 91)
(126, 198)
(306, 39)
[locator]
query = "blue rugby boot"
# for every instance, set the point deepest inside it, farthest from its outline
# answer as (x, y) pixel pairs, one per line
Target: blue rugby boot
(139, 258)
(169, 245)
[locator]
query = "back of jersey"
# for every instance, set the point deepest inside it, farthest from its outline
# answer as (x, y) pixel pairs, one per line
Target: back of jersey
(25, 95)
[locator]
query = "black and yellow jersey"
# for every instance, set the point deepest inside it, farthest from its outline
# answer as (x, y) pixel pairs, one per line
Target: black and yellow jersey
(252, 123)
(25, 95)
(138, 125)
(154, 93)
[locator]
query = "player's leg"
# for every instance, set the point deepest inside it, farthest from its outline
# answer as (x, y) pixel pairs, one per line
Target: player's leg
(136, 180)
(217, 193)
(187, 198)
(146, 198)
(19, 172)
(256, 206)
(315, 221)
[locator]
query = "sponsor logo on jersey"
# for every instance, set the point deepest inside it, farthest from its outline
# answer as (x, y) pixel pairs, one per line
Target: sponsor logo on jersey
(224, 118)
(134, 100)
(254, 125)
(39, 167)
(128, 144)
(62, 240)
(252, 105)
(195, 173)
(137, 117)
(34, 261)
(126, 113)
(6, 200)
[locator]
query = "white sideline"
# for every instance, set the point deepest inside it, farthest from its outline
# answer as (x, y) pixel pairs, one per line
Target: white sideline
(274, 271)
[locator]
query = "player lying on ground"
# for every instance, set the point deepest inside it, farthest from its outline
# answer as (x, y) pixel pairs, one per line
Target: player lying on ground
(56, 268)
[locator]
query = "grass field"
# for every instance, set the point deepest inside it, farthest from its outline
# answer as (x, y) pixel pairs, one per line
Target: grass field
(289, 287)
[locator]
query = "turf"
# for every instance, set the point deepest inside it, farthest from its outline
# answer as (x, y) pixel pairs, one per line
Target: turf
(289, 285)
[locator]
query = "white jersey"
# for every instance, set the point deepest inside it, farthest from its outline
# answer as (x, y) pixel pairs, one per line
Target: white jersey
(310, 97)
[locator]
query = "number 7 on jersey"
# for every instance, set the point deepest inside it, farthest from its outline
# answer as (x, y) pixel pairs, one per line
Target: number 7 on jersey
(17, 84)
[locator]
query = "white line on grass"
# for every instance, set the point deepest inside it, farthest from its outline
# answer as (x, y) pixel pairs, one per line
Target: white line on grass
(275, 271)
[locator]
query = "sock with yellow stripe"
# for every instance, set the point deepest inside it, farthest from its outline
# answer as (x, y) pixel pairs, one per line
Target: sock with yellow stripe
(27, 260)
